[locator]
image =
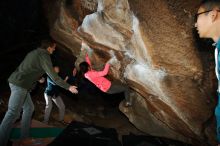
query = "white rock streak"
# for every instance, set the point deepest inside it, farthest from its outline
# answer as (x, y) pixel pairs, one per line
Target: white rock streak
(101, 32)
(140, 70)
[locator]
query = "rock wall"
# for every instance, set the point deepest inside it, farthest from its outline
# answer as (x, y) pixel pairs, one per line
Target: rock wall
(156, 56)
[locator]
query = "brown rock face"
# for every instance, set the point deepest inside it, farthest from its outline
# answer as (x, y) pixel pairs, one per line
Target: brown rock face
(156, 57)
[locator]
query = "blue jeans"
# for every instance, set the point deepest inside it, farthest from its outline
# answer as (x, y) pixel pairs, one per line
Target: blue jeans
(19, 99)
(217, 115)
(59, 102)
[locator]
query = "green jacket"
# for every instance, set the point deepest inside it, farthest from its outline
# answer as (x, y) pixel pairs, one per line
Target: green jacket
(34, 65)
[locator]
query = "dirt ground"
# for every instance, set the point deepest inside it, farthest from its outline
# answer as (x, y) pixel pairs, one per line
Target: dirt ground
(92, 108)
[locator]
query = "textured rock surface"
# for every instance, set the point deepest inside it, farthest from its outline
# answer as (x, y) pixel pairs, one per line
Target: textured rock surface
(156, 57)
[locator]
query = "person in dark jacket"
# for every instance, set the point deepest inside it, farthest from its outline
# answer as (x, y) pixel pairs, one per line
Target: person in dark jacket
(35, 64)
(52, 94)
(71, 79)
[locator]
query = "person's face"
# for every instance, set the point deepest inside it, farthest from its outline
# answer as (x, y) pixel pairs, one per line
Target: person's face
(51, 49)
(74, 72)
(203, 22)
(56, 69)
